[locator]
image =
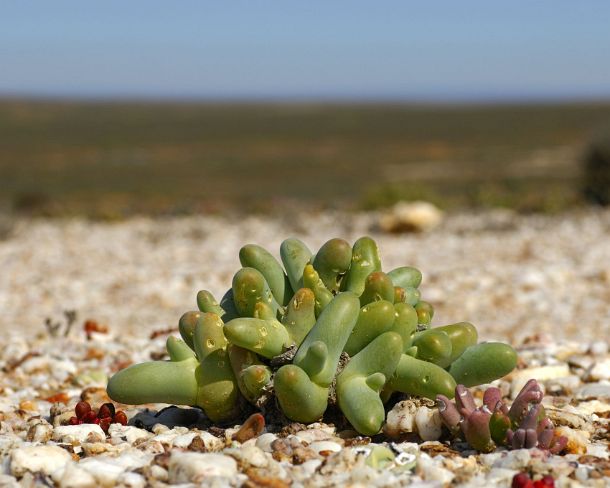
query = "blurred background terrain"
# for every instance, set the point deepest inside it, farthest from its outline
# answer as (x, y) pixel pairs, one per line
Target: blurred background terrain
(119, 110)
(111, 160)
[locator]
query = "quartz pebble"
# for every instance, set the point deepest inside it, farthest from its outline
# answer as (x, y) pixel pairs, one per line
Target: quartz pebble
(45, 459)
(78, 433)
(601, 370)
(411, 416)
(75, 476)
(191, 467)
(127, 433)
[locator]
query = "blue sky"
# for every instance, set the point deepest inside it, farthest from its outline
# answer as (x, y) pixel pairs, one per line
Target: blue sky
(433, 50)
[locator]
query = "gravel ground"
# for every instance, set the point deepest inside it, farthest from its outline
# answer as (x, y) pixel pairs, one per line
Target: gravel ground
(509, 275)
(543, 283)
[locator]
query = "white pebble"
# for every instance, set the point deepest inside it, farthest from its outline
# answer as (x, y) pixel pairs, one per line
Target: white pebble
(601, 370)
(542, 373)
(313, 435)
(194, 467)
(322, 446)
(254, 456)
(127, 433)
(401, 419)
(105, 472)
(428, 423)
(131, 480)
(265, 440)
(39, 431)
(78, 433)
(581, 474)
(45, 459)
(74, 476)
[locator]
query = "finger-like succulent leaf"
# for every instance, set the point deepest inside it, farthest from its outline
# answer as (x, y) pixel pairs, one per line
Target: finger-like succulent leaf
(259, 258)
(332, 262)
(365, 260)
(483, 363)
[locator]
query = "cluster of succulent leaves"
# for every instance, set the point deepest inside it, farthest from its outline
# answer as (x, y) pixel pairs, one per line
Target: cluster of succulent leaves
(287, 329)
(104, 416)
(523, 425)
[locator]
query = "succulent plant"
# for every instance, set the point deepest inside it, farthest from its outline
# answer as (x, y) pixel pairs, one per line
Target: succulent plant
(106, 415)
(325, 327)
(523, 425)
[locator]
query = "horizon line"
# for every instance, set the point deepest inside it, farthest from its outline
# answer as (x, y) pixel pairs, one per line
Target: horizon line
(510, 99)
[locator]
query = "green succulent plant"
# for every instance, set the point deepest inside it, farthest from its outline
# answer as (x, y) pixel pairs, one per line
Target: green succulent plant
(342, 328)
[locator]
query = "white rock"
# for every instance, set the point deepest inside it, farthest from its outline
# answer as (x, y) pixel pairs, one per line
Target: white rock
(159, 473)
(411, 216)
(127, 433)
(254, 456)
(211, 442)
(590, 390)
(598, 449)
(194, 467)
(132, 480)
(401, 419)
(499, 477)
(74, 476)
(265, 440)
(313, 435)
(309, 467)
(45, 459)
(105, 473)
(581, 474)
(601, 370)
(168, 436)
(599, 348)
(429, 423)
(363, 475)
(321, 446)
(184, 440)
(577, 439)
(8, 481)
(431, 471)
(39, 431)
(541, 373)
(78, 433)
(517, 459)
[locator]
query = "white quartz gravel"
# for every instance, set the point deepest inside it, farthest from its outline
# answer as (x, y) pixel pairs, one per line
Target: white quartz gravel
(542, 279)
(509, 275)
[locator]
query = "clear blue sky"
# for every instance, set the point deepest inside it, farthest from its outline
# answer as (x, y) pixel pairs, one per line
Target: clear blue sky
(428, 50)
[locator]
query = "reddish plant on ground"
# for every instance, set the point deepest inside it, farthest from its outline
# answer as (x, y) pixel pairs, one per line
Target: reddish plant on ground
(524, 425)
(106, 415)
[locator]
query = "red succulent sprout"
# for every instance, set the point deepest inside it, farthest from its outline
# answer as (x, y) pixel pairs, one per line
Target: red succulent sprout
(522, 480)
(106, 415)
(524, 425)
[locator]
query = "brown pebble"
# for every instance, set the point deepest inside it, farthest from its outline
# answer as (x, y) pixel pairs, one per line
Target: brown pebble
(91, 326)
(357, 441)
(162, 460)
(588, 459)
(257, 480)
(94, 395)
(58, 398)
(302, 454)
(197, 445)
(28, 405)
(291, 429)
(251, 428)
(94, 353)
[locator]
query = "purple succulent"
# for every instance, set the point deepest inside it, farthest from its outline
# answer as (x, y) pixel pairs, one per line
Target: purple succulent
(524, 425)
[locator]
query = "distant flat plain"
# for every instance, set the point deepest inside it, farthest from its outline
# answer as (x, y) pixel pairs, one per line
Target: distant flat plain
(115, 159)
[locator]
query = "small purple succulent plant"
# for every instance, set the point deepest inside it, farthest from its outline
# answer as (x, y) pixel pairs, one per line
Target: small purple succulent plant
(523, 425)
